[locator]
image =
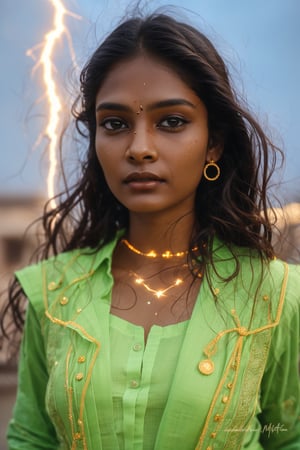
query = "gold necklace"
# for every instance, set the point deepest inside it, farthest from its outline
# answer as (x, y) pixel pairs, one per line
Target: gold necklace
(157, 292)
(152, 254)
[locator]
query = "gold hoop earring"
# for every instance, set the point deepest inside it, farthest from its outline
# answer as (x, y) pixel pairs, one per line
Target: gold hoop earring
(216, 167)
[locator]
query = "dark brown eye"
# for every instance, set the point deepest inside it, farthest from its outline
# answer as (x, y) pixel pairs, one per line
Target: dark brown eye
(113, 124)
(172, 122)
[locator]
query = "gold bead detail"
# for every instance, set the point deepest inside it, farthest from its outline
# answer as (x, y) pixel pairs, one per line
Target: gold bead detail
(81, 359)
(52, 286)
(206, 367)
(79, 376)
(64, 300)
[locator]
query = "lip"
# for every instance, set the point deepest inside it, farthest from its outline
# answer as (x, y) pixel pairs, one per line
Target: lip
(141, 177)
(143, 180)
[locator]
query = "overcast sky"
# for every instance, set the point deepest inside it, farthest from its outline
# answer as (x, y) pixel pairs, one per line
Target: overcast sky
(259, 38)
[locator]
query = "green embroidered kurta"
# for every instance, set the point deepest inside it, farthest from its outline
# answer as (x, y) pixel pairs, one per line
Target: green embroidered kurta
(225, 379)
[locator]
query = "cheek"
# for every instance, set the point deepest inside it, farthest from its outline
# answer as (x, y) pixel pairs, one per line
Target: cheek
(101, 146)
(102, 153)
(108, 162)
(195, 155)
(105, 165)
(99, 155)
(190, 168)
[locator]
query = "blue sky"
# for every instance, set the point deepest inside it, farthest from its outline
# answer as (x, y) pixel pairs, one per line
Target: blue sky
(259, 39)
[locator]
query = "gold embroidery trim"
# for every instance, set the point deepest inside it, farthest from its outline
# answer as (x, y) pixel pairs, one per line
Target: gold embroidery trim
(258, 353)
(75, 325)
(69, 394)
(236, 358)
(211, 349)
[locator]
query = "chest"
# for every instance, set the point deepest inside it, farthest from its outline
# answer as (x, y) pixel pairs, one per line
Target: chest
(100, 385)
(160, 300)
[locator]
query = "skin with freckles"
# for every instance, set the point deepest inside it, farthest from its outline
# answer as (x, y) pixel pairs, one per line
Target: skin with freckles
(152, 142)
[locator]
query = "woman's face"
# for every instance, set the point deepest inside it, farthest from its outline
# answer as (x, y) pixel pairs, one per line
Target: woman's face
(152, 137)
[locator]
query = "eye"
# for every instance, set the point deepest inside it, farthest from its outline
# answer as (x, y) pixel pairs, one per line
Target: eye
(113, 124)
(172, 122)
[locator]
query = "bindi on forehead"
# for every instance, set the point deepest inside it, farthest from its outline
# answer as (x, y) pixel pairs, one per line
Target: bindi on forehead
(140, 110)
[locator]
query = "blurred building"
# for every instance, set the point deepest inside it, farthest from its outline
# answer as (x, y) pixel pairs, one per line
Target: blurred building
(16, 214)
(17, 240)
(16, 247)
(287, 232)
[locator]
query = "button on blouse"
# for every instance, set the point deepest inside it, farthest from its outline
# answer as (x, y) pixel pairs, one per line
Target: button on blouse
(141, 378)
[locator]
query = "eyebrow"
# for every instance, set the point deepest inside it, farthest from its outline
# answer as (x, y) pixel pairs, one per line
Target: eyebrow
(171, 102)
(111, 106)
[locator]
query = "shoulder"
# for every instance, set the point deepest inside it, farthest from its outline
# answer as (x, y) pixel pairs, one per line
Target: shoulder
(244, 268)
(69, 264)
(32, 274)
(47, 274)
(293, 283)
(286, 332)
(281, 282)
(284, 281)
(246, 263)
(44, 281)
(291, 303)
(269, 288)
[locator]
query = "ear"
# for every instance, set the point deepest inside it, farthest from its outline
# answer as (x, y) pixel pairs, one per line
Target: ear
(214, 152)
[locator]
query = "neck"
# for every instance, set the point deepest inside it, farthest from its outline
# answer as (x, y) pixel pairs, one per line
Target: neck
(151, 233)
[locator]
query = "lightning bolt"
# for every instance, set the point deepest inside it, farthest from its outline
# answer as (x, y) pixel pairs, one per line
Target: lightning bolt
(48, 68)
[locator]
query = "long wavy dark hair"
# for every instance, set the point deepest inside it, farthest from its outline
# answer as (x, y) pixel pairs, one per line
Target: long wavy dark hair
(234, 207)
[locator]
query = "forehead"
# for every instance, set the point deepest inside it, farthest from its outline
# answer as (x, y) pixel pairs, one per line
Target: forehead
(145, 78)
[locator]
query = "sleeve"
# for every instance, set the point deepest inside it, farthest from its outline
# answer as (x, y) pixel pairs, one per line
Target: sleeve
(280, 391)
(31, 427)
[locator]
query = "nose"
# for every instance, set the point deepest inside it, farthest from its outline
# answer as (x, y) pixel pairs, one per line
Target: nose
(141, 147)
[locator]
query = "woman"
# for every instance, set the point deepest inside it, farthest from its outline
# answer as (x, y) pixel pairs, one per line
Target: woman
(163, 320)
